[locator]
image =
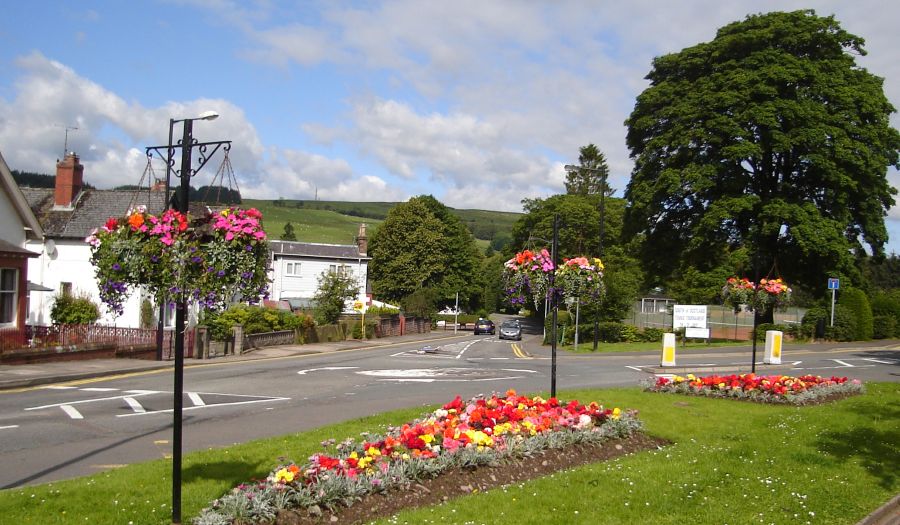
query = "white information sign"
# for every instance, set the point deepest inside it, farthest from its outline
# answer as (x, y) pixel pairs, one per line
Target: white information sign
(689, 316)
(696, 333)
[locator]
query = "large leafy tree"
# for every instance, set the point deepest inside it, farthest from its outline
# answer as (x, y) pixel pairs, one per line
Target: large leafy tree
(592, 178)
(422, 245)
(579, 231)
(768, 139)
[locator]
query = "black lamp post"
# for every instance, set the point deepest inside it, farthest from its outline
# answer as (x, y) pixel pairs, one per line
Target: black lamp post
(554, 304)
(187, 144)
(603, 174)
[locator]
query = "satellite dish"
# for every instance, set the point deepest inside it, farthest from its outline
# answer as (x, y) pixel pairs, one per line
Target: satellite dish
(50, 247)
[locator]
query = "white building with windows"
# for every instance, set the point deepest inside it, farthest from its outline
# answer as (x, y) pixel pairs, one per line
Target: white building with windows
(297, 266)
(18, 225)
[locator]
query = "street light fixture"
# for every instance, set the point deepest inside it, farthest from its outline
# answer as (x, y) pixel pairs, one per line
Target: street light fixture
(603, 173)
(187, 143)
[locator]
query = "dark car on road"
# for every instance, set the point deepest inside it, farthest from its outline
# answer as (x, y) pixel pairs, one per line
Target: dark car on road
(484, 326)
(511, 330)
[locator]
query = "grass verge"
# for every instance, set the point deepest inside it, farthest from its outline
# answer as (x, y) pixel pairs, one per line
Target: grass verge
(656, 346)
(732, 462)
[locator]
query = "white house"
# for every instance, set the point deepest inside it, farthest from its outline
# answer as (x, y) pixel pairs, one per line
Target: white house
(68, 213)
(297, 266)
(17, 225)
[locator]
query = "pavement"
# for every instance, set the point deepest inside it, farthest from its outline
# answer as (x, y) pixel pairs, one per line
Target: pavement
(24, 376)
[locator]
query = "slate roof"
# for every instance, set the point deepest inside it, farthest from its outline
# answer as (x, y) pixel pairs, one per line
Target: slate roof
(311, 249)
(92, 209)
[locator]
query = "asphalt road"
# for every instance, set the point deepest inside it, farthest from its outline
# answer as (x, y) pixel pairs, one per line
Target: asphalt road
(68, 430)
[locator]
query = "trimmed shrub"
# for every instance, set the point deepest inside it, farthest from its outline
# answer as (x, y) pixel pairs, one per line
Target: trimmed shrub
(254, 319)
(652, 335)
(888, 304)
(74, 309)
(762, 328)
(884, 327)
(613, 332)
(812, 317)
(844, 328)
(856, 301)
(356, 332)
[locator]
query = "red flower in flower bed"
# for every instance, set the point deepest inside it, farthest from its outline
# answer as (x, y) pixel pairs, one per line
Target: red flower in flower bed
(772, 388)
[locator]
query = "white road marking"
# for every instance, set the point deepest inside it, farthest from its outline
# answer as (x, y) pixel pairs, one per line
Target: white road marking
(838, 361)
(69, 403)
(304, 372)
(195, 399)
(9, 426)
(878, 361)
(98, 389)
(70, 411)
(432, 380)
(461, 352)
(266, 400)
(132, 402)
(637, 368)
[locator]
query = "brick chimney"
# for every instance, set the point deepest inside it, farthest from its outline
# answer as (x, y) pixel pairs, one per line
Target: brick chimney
(362, 242)
(69, 176)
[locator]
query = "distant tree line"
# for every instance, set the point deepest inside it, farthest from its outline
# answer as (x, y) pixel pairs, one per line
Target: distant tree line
(38, 180)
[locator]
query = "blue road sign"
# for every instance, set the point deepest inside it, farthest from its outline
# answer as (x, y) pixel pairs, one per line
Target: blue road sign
(834, 284)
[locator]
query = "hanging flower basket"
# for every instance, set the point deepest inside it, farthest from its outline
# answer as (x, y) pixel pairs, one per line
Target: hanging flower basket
(580, 278)
(768, 294)
(527, 273)
(212, 259)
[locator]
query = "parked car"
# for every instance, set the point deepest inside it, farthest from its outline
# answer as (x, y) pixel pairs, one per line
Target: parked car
(484, 326)
(511, 330)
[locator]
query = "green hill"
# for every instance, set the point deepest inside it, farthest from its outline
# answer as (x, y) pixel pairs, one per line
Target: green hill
(337, 222)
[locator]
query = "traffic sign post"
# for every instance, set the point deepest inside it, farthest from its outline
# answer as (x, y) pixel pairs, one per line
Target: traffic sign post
(833, 285)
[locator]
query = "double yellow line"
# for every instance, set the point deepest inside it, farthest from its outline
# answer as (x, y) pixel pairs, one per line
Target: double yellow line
(520, 353)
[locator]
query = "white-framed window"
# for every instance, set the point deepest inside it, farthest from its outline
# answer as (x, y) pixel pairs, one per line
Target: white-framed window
(9, 293)
(65, 288)
(292, 269)
(343, 270)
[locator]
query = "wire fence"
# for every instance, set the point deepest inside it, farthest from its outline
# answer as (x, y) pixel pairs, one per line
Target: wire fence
(722, 321)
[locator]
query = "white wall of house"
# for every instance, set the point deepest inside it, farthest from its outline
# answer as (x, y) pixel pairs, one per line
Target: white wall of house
(70, 262)
(11, 228)
(297, 276)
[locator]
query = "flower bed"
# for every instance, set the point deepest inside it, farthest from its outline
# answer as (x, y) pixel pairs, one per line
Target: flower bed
(484, 431)
(801, 390)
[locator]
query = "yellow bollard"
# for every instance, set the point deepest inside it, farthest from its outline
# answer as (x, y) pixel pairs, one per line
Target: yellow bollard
(773, 347)
(668, 350)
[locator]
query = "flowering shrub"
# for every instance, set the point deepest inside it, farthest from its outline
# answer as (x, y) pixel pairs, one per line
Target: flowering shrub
(480, 432)
(210, 259)
(527, 272)
(768, 389)
(768, 294)
(580, 278)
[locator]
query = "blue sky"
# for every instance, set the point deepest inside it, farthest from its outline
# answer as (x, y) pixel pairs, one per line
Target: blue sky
(478, 103)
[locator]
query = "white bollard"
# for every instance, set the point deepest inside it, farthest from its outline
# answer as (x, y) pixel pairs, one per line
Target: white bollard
(668, 350)
(773, 347)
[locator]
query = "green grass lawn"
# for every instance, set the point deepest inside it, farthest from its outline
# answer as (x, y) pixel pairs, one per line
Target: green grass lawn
(730, 462)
